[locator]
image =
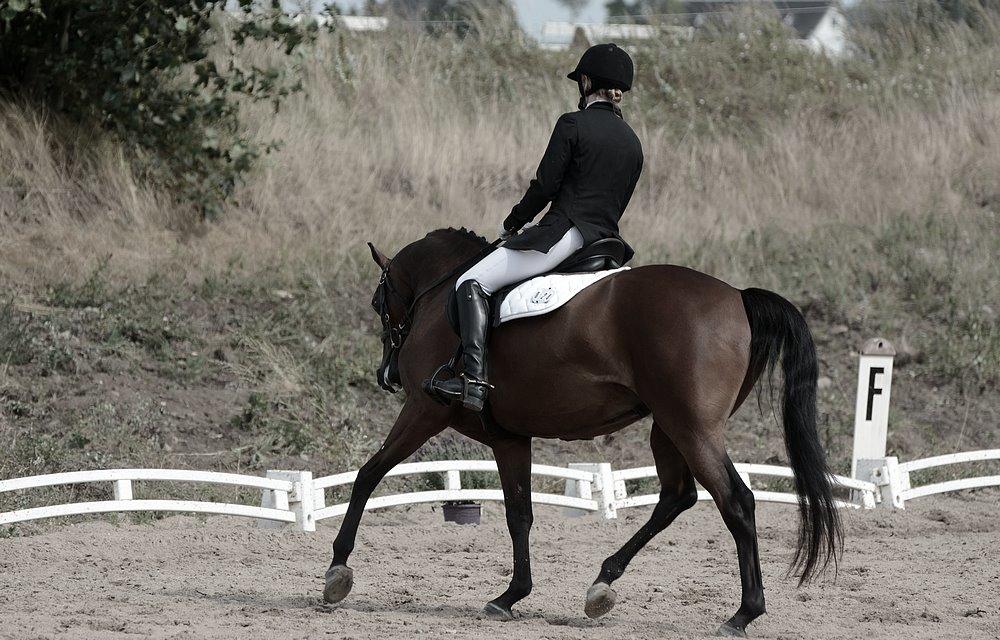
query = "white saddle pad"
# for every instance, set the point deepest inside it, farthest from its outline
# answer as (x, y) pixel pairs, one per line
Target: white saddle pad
(546, 293)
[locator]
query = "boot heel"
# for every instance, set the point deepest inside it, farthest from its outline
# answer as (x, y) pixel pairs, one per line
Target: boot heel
(474, 393)
(473, 403)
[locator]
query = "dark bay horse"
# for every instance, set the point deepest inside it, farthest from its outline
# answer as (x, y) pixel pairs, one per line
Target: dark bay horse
(661, 340)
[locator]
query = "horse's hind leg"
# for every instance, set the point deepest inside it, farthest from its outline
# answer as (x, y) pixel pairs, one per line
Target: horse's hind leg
(706, 455)
(413, 427)
(513, 456)
(677, 493)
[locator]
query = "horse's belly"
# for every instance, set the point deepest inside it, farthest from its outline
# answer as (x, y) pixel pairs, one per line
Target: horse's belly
(550, 413)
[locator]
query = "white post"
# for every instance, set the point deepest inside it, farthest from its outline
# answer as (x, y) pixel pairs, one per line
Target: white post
(604, 482)
(579, 488)
(301, 501)
(889, 480)
(304, 497)
(453, 480)
(123, 489)
(871, 411)
(607, 487)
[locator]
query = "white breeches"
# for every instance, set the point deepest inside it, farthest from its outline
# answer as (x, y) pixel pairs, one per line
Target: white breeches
(507, 266)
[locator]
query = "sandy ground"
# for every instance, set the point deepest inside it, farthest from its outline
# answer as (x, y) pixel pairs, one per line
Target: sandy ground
(931, 572)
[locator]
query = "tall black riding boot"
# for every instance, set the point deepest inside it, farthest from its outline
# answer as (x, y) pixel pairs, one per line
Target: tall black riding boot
(471, 386)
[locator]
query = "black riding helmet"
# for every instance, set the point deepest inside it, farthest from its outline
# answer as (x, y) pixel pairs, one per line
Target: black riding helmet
(607, 65)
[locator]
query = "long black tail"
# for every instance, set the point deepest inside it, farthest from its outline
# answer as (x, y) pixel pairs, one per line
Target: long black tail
(778, 329)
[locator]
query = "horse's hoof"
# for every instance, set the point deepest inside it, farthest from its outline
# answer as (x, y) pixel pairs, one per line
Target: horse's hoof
(600, 599)
(496, 612)
(727, 631)
(339, 580)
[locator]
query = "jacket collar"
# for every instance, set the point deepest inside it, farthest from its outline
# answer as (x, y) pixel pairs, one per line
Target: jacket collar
(605, 106)
(601, 104)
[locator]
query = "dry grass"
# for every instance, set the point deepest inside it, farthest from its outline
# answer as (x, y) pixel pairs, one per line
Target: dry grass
(376, 152)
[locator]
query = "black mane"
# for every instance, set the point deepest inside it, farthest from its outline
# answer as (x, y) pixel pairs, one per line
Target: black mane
(437, 252)
(461, 232)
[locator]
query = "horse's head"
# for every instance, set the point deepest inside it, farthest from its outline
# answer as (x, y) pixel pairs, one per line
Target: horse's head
(418, 269)
(391, 304)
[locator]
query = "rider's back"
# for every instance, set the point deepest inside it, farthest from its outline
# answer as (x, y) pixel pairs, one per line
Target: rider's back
(606, 164)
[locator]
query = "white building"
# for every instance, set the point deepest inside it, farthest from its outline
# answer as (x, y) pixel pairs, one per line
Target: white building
(818, 24)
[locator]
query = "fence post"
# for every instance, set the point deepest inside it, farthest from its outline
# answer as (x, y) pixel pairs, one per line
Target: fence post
(871, 411)
(579, 488)
(604, 481)
(301, 500)
(123, 489)
(889, 481)
(607, 486)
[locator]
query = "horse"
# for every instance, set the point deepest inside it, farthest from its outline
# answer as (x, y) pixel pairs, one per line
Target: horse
(660, 340)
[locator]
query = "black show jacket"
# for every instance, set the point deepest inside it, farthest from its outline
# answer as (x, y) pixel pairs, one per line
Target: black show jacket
(588, 173)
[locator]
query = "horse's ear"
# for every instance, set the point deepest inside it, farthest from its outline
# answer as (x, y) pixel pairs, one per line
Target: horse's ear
(378, 257)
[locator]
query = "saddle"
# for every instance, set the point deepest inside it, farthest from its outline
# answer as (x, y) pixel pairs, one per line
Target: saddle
(602, 255)
(555, 288)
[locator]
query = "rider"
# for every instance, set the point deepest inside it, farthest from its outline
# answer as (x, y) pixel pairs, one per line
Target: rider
(588, 173)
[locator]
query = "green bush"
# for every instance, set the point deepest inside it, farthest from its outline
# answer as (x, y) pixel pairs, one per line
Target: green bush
(143, 70)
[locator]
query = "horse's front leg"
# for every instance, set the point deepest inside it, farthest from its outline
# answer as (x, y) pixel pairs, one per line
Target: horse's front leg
(416, 423)
(513, 456)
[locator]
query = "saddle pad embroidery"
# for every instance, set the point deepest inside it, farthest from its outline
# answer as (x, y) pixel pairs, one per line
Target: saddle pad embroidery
(547, 293)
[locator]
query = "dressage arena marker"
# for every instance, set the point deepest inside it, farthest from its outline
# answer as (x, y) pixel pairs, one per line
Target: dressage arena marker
(296, 497)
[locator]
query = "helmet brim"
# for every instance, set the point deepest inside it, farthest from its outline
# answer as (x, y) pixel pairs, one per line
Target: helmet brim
(575, 74)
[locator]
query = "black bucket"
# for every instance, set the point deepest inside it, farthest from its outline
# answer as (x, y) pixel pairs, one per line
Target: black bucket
(462, 512)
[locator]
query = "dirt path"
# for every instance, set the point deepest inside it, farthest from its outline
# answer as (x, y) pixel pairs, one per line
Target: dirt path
(930, 572)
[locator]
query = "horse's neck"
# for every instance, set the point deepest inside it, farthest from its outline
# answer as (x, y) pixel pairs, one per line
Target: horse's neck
(442, 274)
(435, 273)
(444, 260)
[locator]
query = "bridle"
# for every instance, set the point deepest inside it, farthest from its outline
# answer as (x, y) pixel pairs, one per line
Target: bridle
(394, 336)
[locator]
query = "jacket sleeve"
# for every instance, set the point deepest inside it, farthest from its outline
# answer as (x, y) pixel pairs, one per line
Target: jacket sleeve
(549, 177)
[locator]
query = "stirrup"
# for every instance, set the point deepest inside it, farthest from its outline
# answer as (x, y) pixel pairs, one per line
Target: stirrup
(430, 385)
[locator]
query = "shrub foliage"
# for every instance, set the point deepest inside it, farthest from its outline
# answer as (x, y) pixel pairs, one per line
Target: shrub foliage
(145, 71)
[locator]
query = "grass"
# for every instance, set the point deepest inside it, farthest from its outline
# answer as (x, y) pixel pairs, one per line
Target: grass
(867, 191)
(16, 347)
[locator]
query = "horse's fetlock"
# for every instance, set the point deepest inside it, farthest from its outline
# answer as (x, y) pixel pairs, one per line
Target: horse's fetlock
(753, 607)
(612, 569)
(522, 587)
(341, 552)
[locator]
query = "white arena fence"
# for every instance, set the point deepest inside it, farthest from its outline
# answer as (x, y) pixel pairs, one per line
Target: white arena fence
(277, 491)
(296, 497)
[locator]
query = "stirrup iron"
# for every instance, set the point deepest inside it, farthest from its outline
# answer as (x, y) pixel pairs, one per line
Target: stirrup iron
(442, 373)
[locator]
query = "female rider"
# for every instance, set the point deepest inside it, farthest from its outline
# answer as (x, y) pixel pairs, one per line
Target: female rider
(588, 173)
